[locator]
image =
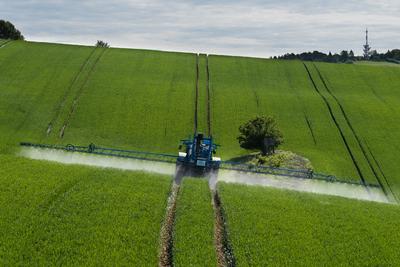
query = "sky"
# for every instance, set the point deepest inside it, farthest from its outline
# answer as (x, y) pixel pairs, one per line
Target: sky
(246, 28)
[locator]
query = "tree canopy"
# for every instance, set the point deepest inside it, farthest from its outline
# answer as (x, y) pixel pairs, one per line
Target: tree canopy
(8, 31)
(101, 43)
(343, 57)
(260, 133)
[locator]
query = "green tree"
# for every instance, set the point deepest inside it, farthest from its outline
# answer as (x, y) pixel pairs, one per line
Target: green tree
(344, 56)
(8, 31)
(101, 43)
(261, 133)
(351, 55)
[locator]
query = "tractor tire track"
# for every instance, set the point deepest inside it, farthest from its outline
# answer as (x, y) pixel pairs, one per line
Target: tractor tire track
(358, 169)
(301, 103)
(255, 94)
(310, 128)
(223, 247)
(58, 195)
(5, 43)
(374, 92)
(67, 92)
(167, 229)
(196, 101)
(78, 95)
(383, 174)
(208, 98)
(364, 152)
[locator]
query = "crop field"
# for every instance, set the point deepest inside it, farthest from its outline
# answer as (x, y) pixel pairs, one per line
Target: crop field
(194, 225)
(119, 97)
(54, 215)
(146, 100)
(202, 99)
(137, 99)
(378, 64)
(369, 97)
(33, 79)
(342, 117)
(270, 226)
(315, 123)
(4, 42)
(242, 88)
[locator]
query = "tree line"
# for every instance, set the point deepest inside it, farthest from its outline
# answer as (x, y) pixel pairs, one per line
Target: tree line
(344, 56)
(8, 31)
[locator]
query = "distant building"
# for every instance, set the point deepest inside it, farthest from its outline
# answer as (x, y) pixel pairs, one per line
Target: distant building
(367, 48)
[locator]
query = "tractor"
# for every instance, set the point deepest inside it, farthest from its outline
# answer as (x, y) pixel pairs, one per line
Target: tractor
(198, 156)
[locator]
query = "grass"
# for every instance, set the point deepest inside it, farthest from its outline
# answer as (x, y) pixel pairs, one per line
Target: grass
(242, 88)
(58, 215)
(343, 124)
(66, 107)
(281, 228)
(144, 100)
(370, 100)
(194, 225)
(121, 98)
(377, 64)
(136, 99)
(34, 79)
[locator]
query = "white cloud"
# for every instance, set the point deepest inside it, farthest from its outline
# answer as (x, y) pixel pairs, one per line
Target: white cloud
(255, 28)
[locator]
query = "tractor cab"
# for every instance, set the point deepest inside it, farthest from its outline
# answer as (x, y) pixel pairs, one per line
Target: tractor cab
(199, 153)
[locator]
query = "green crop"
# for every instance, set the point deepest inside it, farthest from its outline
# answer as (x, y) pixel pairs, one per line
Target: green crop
(33, 80)
(72, 215)
(145, 100)
(242, 88)
(202, 105)
(287, 228)
(377, 63)
(344, 118)
(114, 97)
(194, 225)
(368, 97)
(136, 99)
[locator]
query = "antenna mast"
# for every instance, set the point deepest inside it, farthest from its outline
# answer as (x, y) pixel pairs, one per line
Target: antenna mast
(367, 48)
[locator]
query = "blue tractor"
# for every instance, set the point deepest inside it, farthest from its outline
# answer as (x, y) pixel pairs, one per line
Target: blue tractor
(198, 155)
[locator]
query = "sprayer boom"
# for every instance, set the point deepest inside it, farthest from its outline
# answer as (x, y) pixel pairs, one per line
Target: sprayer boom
(198, 159)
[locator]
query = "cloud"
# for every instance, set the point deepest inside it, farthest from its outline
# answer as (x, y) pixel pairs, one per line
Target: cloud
(253, 28)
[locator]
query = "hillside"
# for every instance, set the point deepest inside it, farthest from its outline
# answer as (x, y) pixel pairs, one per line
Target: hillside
(288, 228)
(341, 117)
(114, 97)
(54, 214)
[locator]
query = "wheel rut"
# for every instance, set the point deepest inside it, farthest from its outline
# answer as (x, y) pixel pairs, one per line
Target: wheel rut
(196, 100)
(341, 132)
(167, 229)
(377, 163)
(225, 256)
(349, 124)
(78, 95)
(309, 125)
(208, 97)
(63, 100)
(7, 42)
